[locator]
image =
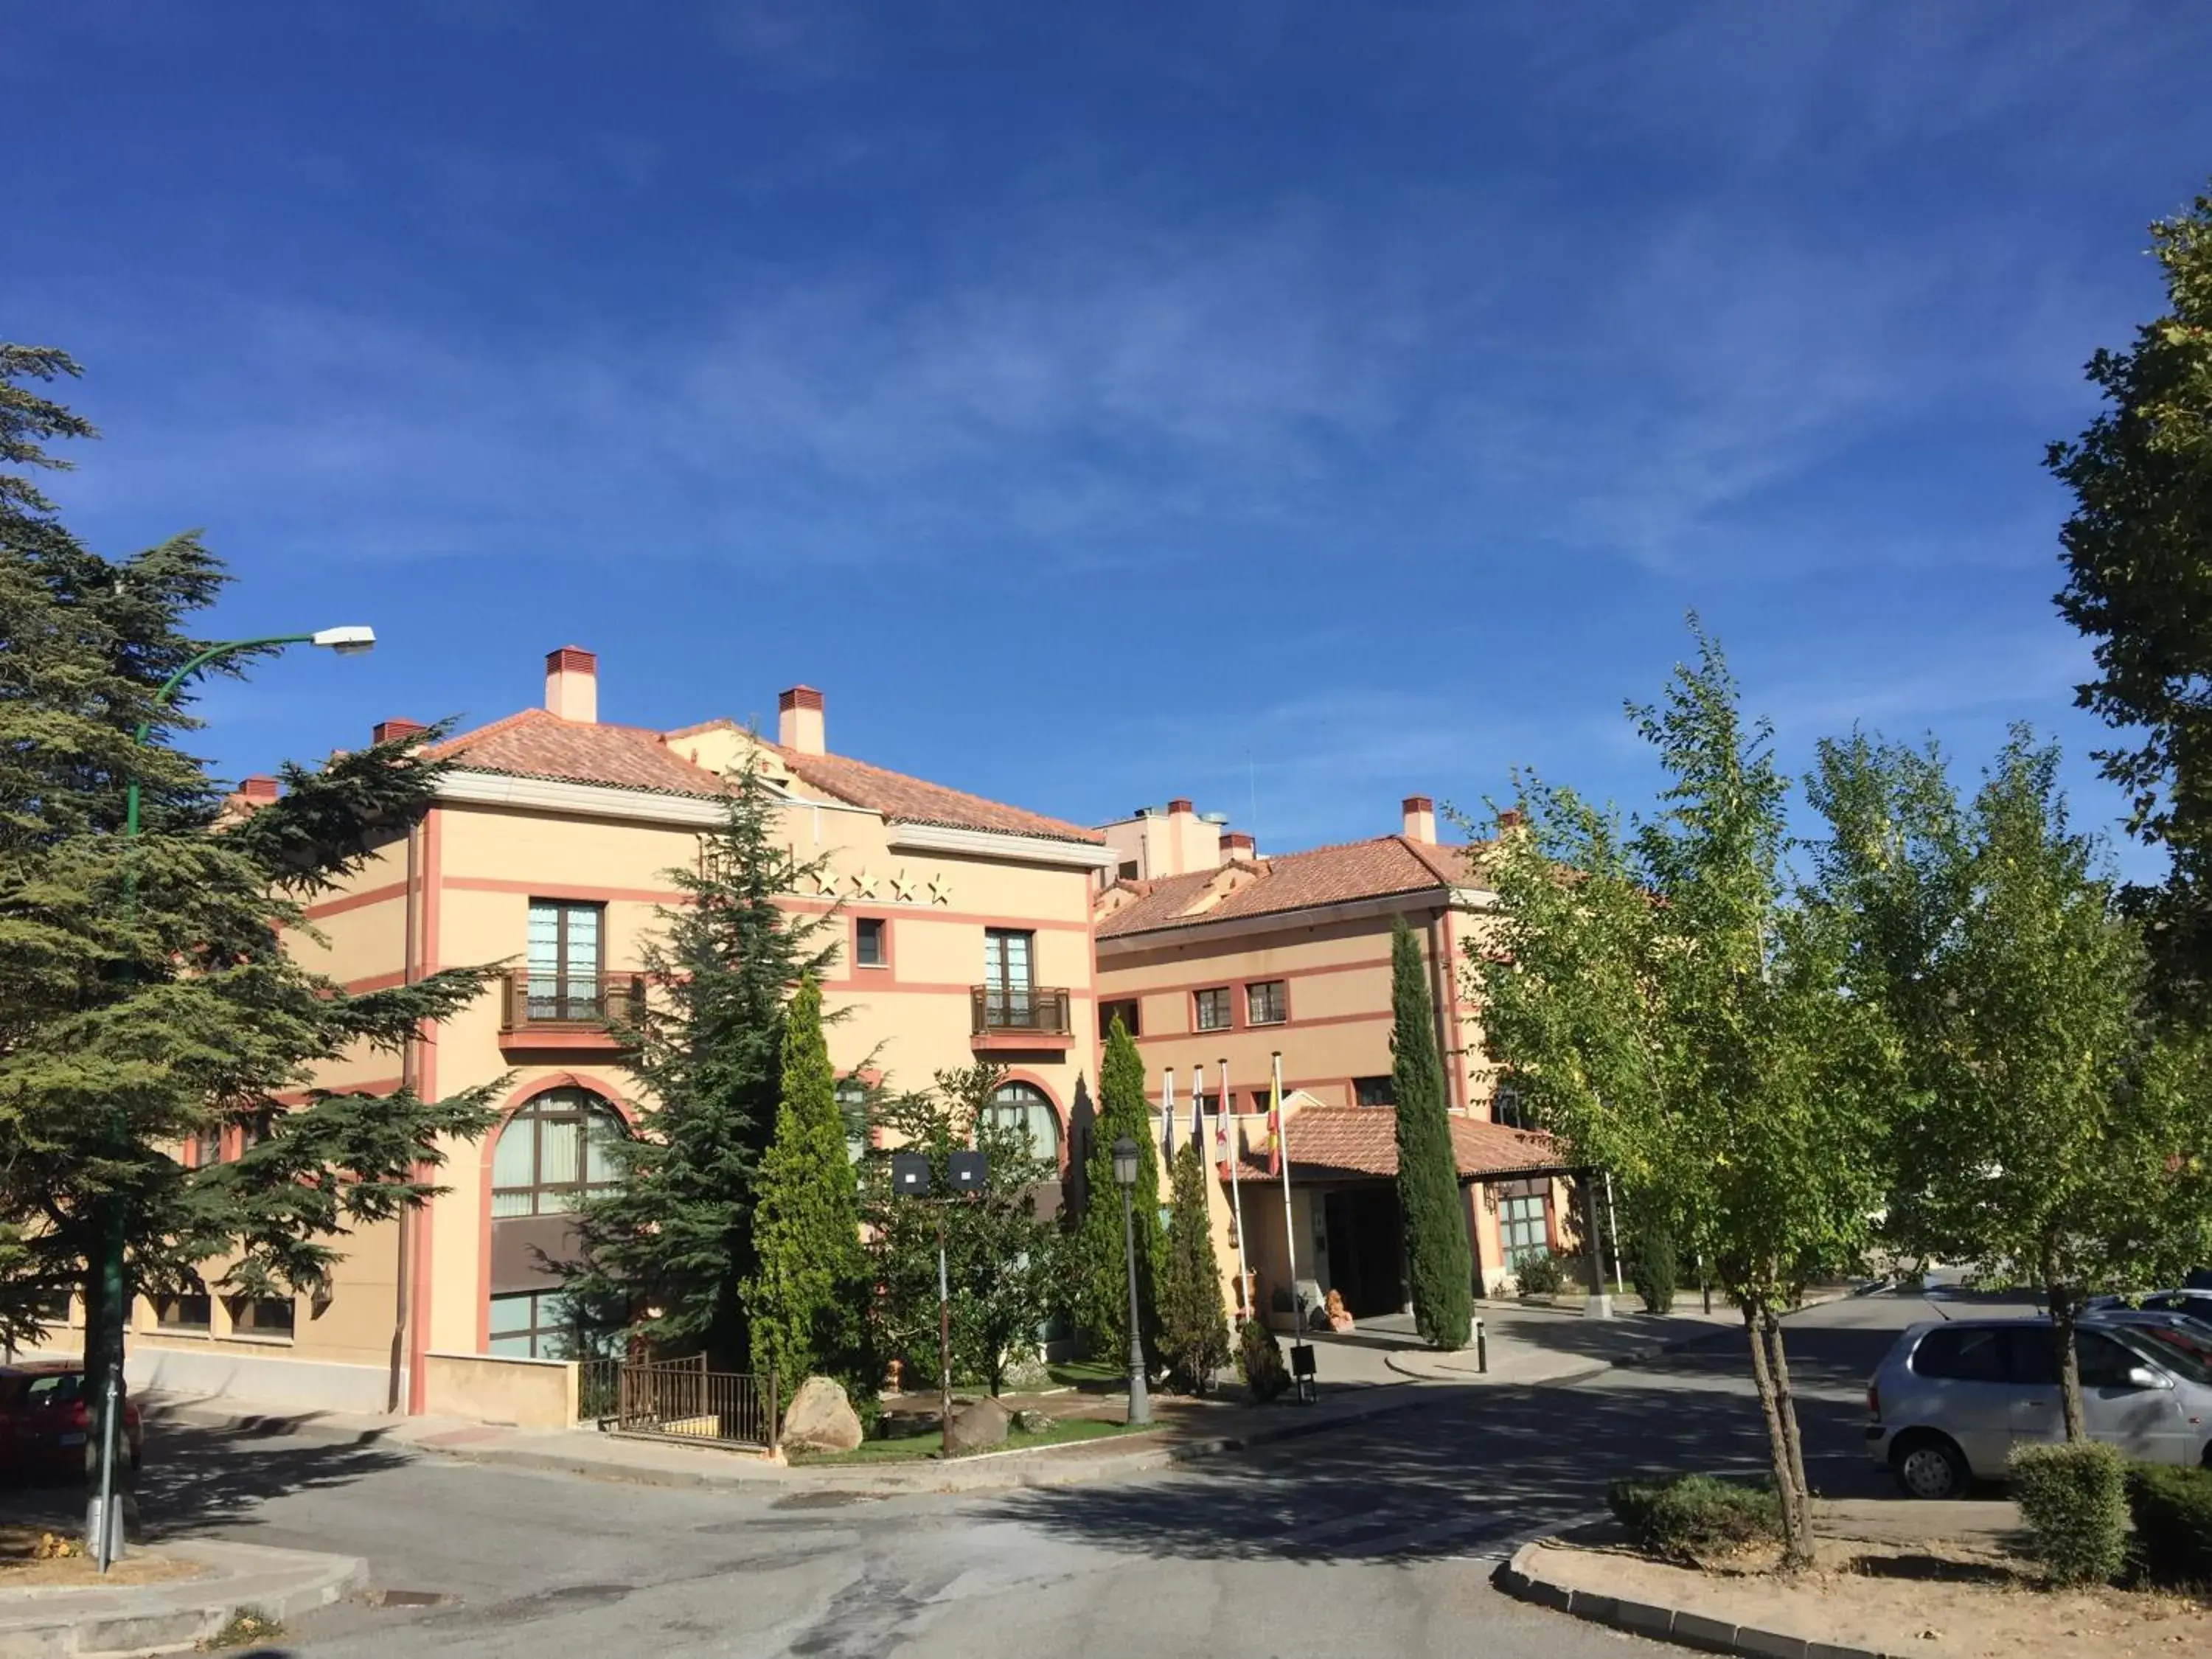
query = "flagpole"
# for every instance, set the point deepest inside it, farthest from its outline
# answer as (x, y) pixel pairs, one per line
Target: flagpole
(1167, 1114)
(1236, 1197)
(1289, 1232)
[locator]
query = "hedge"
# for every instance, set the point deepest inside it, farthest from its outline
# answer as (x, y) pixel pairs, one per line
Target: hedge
(1686, 1517)
(2172, 1512)
(2074, 1498)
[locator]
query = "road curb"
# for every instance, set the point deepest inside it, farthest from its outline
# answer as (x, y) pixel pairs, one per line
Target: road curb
(1522, 1578)
(283, 1585)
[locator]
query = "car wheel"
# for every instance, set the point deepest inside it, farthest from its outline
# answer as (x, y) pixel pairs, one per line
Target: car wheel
(1929, 1466)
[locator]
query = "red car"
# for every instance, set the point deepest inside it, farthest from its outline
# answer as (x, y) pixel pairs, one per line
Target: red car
(45, 1420)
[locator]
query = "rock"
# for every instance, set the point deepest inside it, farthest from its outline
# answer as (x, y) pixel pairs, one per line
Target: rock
(820, 1418)
(976, 1425)
(1032, 1422)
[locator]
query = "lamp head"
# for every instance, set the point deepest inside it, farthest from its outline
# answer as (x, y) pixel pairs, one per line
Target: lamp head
(347, 642)
(1125, 1163)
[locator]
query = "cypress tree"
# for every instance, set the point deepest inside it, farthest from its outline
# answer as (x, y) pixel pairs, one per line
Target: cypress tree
(1100, 1287)
(667, 1253)
(807, 1295)
(1438, 1258)
(1193, 1323)
(128, 1029)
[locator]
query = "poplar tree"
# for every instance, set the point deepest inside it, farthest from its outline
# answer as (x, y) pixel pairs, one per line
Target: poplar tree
(147, 996)
(1193, 1323)
(1100, 1290)
(667, 1253)
(808, 1296)
(1439, 1259)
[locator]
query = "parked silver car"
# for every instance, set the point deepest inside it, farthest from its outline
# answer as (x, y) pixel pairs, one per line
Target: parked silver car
(1951, 1399)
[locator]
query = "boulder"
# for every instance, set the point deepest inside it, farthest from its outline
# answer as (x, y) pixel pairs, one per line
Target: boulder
(820, 1418)
(1032, 1422)
(975, 1425)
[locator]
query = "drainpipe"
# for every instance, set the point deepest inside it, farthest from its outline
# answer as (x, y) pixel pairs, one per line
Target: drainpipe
(395, 1399)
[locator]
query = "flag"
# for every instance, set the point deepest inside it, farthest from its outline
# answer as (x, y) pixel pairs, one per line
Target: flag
(1275, 1122)
(1220, 1121)
(1167, 1110)
(1198, 1121)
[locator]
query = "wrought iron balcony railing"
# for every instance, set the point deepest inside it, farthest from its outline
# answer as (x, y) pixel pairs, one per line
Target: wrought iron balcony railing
(1018, 1011)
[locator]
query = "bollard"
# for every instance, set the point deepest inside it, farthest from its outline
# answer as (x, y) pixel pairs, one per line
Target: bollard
(1481, 1347)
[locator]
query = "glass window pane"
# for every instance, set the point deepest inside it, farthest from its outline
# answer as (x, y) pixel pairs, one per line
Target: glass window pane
(544, 938)
(561, 1162)
(583, 952)
(601, 1127)
(512, 1164)
(512, 1314)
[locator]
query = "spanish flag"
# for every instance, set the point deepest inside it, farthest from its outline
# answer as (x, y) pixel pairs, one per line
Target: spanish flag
(1275, 1119)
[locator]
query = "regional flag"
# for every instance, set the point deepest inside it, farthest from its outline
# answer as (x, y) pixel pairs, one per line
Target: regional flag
(1275, 1122)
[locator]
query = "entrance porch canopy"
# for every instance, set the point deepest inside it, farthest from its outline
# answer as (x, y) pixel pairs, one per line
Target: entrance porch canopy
(1354, 1143)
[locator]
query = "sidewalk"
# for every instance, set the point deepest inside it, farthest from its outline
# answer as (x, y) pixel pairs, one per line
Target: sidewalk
(36, 1622)
(1530, 1345)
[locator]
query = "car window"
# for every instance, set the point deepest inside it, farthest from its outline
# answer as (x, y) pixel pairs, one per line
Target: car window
(1960, 1353)
(55, 1389)
(2177, 1351)
(2030, 1359)
(2104, 1363)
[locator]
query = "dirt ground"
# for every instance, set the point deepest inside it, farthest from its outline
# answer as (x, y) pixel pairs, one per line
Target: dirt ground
(1945, 1602)
(23, 1565)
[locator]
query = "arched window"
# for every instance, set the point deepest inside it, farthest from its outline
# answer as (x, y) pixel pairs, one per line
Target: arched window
(1025, 1105)
(552, 1152)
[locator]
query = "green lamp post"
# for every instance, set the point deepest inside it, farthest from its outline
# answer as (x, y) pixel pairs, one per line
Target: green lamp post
(104, 1370)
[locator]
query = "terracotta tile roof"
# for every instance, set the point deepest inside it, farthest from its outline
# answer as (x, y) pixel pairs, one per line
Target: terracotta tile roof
(911, 800)
(1363, 1141)
(536, 743)
(1293, 881)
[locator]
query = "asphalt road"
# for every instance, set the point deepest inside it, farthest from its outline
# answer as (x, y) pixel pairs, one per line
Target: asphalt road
(1378, 1538)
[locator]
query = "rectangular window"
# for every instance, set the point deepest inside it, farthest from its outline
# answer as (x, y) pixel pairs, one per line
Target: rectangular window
(1009, 978)
(1210, 1009)
(184, 1313)
(871, 945)
(262, 1316)
(206, 1146)
(536, 1325)
(1266, 1003)
(565, 961)
(1505, 1108)
(1128, 869)
(1125, 1010)
(1260, 1098)
(1374, 1091)
(1521, 1225)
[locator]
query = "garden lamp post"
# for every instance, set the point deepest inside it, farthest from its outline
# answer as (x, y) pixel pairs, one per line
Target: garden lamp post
(102, 1529)
(1124, 1178)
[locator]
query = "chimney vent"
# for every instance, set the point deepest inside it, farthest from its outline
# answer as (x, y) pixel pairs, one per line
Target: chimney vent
(1235, 844)
(392, 731)
(258, 788)
(1510, 817)
(572, 684)
(1420, 819)
(798, 720)
(1178, 805)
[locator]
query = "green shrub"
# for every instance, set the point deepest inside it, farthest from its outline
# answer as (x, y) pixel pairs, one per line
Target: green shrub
(1655, 1270)
(1260, 1357)
(2074, 1498)
(1687, 1517)
(2172, 1511)
(1540, 1275)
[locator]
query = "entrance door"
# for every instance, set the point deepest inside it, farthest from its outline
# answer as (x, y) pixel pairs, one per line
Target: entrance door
(1365, 1249)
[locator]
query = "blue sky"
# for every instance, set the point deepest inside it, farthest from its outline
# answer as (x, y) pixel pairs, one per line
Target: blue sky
(1270, 402)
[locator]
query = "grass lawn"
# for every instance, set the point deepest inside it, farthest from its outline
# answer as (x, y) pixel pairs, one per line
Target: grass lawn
(1088, 1374)
(910, 1448)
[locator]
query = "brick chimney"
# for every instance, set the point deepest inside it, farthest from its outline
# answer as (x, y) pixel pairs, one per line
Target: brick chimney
(572, 684)
(1420, 819)
(1235, 844)
(798, 720)
(259, 789)
(393, 730)
(1508, 818)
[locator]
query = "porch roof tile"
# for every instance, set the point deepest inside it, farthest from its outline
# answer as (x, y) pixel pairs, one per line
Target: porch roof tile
(1362, 1141)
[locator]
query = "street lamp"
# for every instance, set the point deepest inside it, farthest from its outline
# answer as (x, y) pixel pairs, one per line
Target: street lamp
(104, 1370)
(1124, 1178)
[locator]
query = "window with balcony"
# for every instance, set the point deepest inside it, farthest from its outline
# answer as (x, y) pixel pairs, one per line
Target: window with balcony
(553, 1153)
(1124, 1010)
(1009, 1008)
(1210, 1009)
(871, 942)
(565, 961)
(1374, 1091)
(1266, 1002)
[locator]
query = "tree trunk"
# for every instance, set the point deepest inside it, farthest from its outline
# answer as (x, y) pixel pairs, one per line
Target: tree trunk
(1785, 1399)
(2064, 1310)
(1796, 1550)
